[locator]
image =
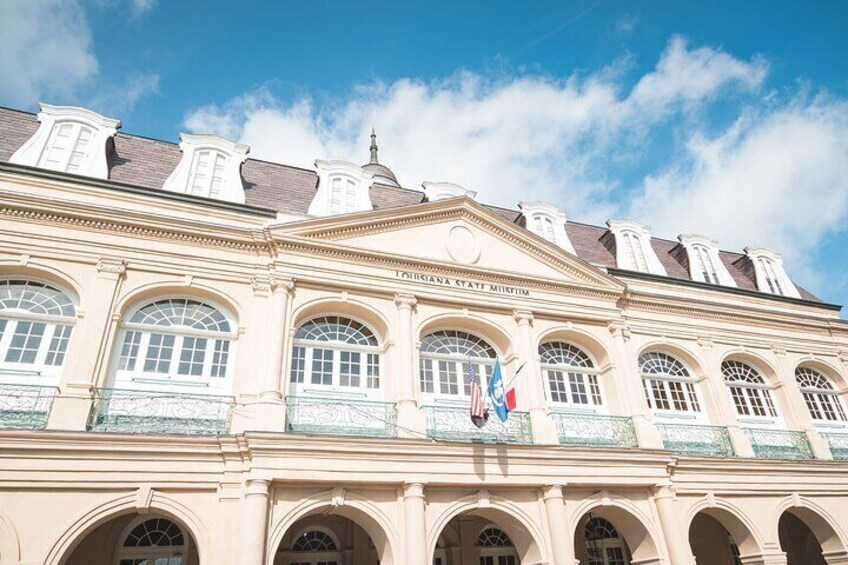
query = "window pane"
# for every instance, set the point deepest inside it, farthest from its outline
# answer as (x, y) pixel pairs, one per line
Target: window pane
(373, 370)
(425, 375)
(322, 366)
(192, 355)
(677, 396)
(349, 368)
(25, 342)
(448, 383)
(694, 405)
(160, 349)
(578, 388)
(595, 390)
(298, 364)
(220, 357)
(58, 346)
(556, 381)
(129, 351)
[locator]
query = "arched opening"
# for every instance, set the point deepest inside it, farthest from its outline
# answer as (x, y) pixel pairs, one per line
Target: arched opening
(322, 539)
(486, 537)
(805, 537)
(137, 539)
(717, 536)
(613, 535)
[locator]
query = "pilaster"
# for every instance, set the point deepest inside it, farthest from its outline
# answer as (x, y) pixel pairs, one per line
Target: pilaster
(416, 532)
(88, 352)
(676, 540)
(529, 389)
(410, 417)
(254, 535)
(561, 546)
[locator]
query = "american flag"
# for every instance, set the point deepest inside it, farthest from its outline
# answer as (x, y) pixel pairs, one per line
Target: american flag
(478, 411)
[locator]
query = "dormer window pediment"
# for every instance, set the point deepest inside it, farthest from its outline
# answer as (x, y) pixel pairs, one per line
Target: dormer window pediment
(69, 139)
(633, 247)
(548, 222)
(210, 167)
(343, 188)
(705, 263)
(770, 274)
(444, 190)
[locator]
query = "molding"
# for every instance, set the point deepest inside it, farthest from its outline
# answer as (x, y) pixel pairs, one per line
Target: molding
(443, 190)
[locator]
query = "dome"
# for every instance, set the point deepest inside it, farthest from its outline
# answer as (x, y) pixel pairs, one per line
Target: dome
(382, 173)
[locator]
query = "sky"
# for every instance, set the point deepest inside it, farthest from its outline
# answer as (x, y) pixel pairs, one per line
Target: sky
(727, 119)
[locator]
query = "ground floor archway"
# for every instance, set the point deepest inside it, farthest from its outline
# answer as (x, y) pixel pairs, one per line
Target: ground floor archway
(136, 539)
(597, 541)
(798, 541)
(322, 539)
(712, 542)
(475, 537)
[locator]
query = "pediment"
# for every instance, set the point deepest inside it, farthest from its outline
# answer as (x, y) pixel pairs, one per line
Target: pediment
(455, 233)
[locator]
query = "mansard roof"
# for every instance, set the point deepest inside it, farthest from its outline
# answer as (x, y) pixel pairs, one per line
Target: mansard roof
(147, 162)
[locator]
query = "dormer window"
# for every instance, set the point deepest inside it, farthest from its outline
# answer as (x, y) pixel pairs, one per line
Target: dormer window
(210, 167)
(770, 274)
(548, 222)
(343, 188)
(704, 261)
(443, 190)
(633, 247)
(70, 140)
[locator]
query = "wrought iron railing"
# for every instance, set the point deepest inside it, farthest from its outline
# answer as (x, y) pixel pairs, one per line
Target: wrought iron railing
(148, 412)
(453, 423)
(691, 439)
(593, 429)
(838, 445)
(331, 416)
(779, 444)
(25, 407)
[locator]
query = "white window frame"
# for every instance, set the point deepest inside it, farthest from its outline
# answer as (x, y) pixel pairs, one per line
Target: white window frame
(37, 373)
(699, 250)
(193, 147)
(139, 379)
(483, 366)
(338, 348)
(697, 417)
(151, 553)
(541, 215)
(355, 183)
(748, 390)
(584, 374)
(770, 273)
(816, 395)
(444, 190)
(604, 544)
(93, 162)
(292, 557)
(494, 552)
(632, 243)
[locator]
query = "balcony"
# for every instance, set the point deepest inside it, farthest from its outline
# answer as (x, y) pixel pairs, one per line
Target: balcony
(453, 423)
(25, 407)
(332, 416)
(594, 430)
(779, 444)
(143, 412)
(712, 441)
(838, 445)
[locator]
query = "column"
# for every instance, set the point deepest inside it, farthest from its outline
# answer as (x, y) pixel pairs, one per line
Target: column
(676, 541)
(627, 375)
(561, 538)
(412, 421)
(85, 366)
(272, 297)
(416, 529)
(798, 407)
(254, 530)
(529, 387)
(725, 410)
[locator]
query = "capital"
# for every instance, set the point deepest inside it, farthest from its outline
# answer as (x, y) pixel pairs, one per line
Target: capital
(257, 487)
(405, 301)
(523, 317)
(282, 284)
(115, 267)
(552, 492)
(619, 328)
(413, 490)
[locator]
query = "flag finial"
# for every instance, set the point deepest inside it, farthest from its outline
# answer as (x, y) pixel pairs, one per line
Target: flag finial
(373, 146)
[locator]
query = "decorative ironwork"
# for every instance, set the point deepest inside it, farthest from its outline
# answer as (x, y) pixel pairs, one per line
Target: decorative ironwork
(779, 444)
(838, 445)
(454, 424)
(690, 439)
(332, 416)
(596, 430)
(147, 412)
(25, 407)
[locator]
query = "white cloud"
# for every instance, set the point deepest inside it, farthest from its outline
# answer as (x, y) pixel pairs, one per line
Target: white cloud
(626, 24)
(47, 50)
(140, 7)
(115, 100)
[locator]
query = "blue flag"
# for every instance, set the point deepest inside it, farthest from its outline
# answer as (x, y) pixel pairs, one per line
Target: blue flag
(497, 393)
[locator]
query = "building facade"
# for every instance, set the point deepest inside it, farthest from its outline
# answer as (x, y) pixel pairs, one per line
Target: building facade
(212, 359)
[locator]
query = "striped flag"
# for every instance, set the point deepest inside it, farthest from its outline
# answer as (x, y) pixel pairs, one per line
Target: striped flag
(479, 415)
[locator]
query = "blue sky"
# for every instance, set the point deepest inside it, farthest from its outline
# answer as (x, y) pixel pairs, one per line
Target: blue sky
(723, 118)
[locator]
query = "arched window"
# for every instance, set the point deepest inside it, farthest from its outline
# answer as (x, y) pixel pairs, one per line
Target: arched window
(750, 392)
(668, 385)
(495, 547)
(208, 173)
(570, 374)
(544, 226)
(708, 270)
(634, 251)
(603, 544)
(155, 541)
(68, 147)
(314, 547)
(335, 353)
(178, 340)
(821, 396)
(36, 321)
(770, 276)
(446, 356)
